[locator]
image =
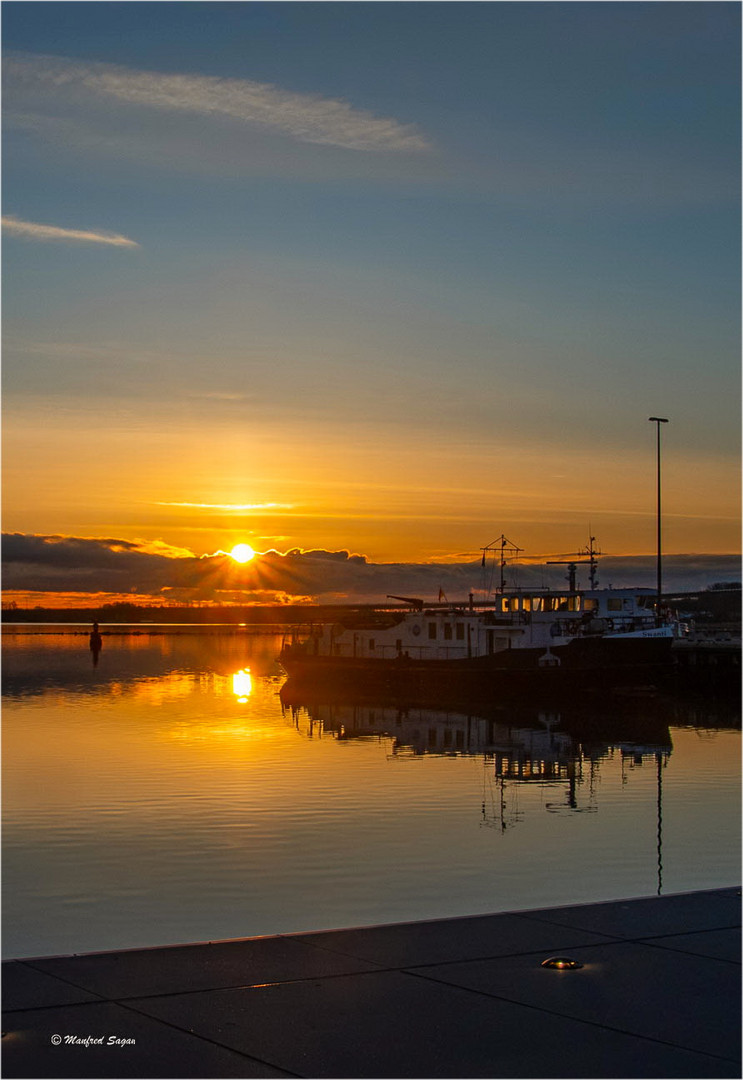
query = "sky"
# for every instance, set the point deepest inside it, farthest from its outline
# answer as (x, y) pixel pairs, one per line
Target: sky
(363, 285)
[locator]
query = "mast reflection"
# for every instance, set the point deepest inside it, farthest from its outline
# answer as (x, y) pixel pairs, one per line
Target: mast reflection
(559, 750)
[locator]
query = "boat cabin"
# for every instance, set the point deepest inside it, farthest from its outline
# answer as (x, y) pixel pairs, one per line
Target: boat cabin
(518, 619)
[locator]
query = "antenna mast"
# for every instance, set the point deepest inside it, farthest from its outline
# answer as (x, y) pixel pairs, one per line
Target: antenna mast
(503, 545)
(591, 562)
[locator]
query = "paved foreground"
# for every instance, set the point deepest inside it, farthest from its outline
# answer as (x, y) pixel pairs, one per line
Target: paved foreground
(658, 995)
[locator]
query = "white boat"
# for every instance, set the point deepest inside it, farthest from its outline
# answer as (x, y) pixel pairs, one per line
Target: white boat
(521, 635)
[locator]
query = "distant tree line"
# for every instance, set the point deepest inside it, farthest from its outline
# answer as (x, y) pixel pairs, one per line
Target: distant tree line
(720, 602)
(125, 612)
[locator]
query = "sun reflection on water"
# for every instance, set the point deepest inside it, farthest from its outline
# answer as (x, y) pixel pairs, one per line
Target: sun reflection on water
(242, 685)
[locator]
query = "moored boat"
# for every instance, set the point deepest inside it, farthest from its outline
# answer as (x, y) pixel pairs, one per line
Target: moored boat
(522, 637)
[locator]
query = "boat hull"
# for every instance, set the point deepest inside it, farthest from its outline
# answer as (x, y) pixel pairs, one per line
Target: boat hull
(604, 661)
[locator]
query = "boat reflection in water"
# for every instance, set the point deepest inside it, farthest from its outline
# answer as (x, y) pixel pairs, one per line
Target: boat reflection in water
(527, 742)
(559, 750)
(178, 803)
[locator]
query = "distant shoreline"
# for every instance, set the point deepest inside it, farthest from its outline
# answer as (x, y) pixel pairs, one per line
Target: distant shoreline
(126, 614)
(705, 604)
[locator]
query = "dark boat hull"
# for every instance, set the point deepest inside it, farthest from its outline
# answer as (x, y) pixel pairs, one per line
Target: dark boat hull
(602, 662)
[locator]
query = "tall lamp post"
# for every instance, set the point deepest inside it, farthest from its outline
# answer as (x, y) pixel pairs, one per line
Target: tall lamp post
(658, 420)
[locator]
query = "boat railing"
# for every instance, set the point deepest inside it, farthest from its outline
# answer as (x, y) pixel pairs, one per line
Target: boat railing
(409, 652)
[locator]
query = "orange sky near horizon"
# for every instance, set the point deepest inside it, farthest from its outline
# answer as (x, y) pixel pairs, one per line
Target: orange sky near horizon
(393, 494)
(363, 318)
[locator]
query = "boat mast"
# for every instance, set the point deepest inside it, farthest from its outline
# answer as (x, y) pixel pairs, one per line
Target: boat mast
(504, 545)
(572, 564)
(591, 552)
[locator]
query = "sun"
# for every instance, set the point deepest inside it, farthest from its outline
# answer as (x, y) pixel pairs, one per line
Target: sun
(242, 553)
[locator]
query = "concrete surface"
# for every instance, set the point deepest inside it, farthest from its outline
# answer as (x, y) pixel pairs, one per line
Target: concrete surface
(658, 995)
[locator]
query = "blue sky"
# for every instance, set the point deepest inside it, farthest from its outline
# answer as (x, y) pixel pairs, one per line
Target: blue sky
(420, 272)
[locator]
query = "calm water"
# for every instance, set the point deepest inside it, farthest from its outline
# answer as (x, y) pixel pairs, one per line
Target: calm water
(178, 791)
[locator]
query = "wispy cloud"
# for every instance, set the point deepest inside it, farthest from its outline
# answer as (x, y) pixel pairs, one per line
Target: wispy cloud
(303, 116)
(31, 230)
(233, 507)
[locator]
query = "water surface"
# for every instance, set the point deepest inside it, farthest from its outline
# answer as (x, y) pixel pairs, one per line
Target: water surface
(179, 791)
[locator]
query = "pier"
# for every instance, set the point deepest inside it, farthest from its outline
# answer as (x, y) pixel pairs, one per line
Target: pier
(656, 994)
(709, 660)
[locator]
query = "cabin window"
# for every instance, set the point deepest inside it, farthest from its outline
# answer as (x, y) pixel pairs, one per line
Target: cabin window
(460, 740)
(432, 736)
(614, 605)
(536, 603)
(460, 631)
(526, 603)
(590, 603)
(432, 630)
(447, 738)
(447, 631)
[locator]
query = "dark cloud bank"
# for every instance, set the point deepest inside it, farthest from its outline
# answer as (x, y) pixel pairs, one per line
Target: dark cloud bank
(57, 564)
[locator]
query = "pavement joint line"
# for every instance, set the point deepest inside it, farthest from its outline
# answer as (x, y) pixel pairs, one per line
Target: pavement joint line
(128, 1001)
(333, 951)
(688, 952)
(127, 998)
(66, 1005)
(635, 937)
(60, 978)
(580, 929)
(576, 1019)
(405, 969)
(510, 955)
(206, 1039)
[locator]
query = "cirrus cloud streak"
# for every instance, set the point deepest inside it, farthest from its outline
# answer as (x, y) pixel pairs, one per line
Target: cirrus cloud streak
(233, 507)
(306, 117)
(31, 230)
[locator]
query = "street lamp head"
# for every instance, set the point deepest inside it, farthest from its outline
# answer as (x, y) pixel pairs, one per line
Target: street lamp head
(658, 419)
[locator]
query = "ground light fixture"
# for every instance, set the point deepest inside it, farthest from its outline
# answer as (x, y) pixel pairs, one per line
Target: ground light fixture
(561, 963)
